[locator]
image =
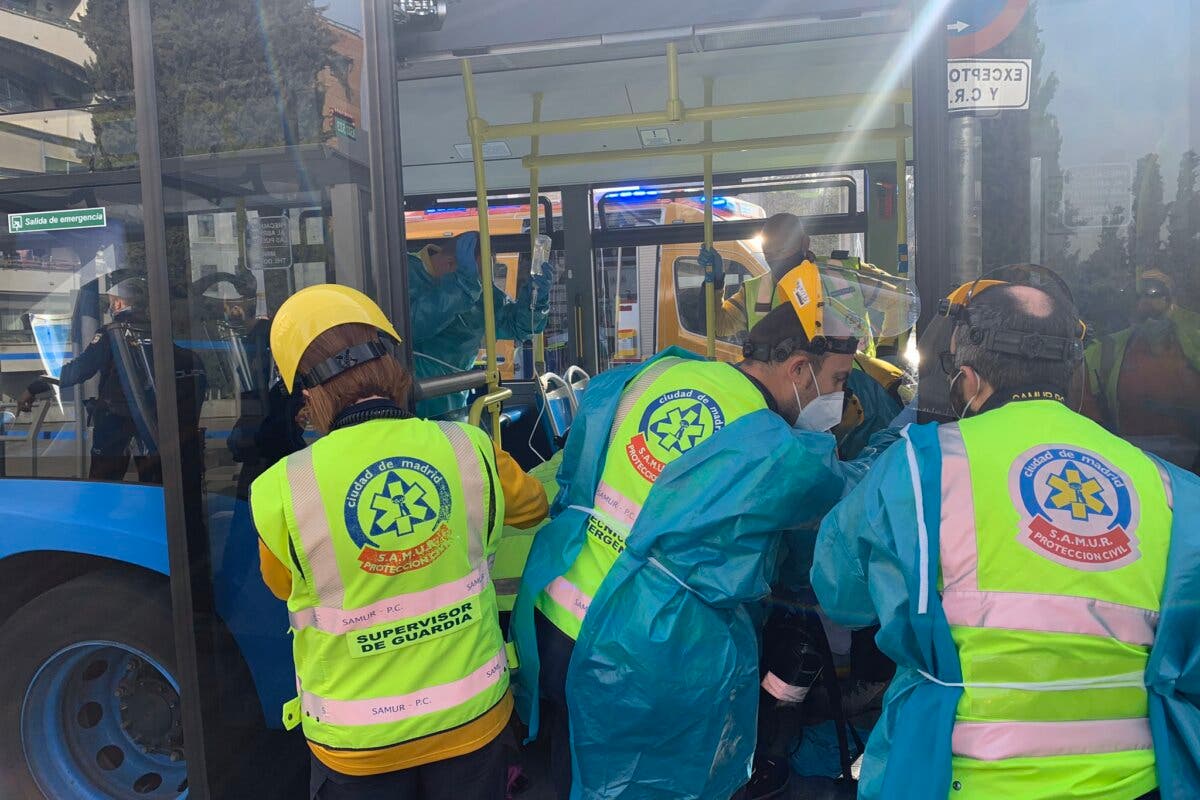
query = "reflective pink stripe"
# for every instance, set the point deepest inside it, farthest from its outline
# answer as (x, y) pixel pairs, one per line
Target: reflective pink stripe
(958, 549)
(569, 596)
(401, 606)
(616, 505)
(1050, 613)
(382, 710)
(992, 741)
(781, 690)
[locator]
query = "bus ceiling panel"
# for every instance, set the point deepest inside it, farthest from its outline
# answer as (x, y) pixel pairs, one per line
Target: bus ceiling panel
(536, 33)
(510, 174)
(776, 72)
(435, 140)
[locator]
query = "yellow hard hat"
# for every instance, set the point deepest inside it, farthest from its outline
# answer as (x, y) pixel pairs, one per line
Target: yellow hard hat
(313, 310)
(841, 308)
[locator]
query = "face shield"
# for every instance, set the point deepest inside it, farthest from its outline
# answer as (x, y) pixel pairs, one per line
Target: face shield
(843, 310)
(937, 368)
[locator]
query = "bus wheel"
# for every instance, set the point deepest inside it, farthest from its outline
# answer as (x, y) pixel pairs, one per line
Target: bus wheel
(89, 703)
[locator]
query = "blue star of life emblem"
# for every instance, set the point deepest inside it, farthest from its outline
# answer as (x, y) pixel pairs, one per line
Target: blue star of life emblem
(401, 506)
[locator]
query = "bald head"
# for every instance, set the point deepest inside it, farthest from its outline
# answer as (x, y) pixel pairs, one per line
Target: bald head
(1031, 301)
(1015, 308)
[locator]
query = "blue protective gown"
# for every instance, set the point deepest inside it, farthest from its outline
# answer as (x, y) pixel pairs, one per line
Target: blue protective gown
(663, 682)
(447, 320)
(866, 572)
(879, 409)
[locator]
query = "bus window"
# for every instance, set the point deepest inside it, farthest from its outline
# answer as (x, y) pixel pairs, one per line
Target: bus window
(74, 399)
(689, 295)
(435, 221)
(1113, 210)
(649, 292)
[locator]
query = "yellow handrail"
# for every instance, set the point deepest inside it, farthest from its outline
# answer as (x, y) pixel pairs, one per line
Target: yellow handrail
(761, 108)
(674, 110)
(475, 127)
(703, 148)
(475, 415)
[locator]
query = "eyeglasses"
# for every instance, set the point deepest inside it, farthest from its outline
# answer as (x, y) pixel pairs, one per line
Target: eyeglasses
(946, 359)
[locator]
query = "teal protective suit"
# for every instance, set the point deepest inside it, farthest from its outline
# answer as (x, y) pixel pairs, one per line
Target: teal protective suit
(447, 320)
(867, 570)
(879, 409)
(663, 682)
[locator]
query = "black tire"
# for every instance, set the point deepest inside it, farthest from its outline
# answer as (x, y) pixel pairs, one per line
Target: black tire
(116, 606)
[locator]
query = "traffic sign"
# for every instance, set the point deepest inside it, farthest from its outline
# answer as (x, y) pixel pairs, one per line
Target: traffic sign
(976, 26)
(976, 84)
(65, 220)
(344, 126)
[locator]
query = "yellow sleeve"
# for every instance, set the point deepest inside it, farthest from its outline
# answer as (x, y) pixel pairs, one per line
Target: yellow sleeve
(524, 496)
(266, 508)
(276, 576)
(731, 314)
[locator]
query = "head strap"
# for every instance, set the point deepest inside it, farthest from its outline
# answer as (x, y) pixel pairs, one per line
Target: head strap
(785, 348)
(347, 359)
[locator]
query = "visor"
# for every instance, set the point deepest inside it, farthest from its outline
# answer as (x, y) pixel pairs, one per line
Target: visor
(842, 303)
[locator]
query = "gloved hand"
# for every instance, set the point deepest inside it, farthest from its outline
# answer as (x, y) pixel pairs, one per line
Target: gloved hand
(714, 267)
(465, 259)
(25, 403)
(542, 284)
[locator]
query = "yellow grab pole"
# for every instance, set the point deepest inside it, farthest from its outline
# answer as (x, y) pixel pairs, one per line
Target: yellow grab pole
(761, 108)
(475, 129)
(901, 198)
(710, 289)
(674, 102)
(539, 339)
(701, 148)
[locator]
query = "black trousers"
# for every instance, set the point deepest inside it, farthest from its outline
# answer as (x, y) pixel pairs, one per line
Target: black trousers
(554, 651)
(111, 436)
(481, 775)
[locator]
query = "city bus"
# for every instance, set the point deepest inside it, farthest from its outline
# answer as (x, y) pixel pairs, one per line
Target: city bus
(229, 156)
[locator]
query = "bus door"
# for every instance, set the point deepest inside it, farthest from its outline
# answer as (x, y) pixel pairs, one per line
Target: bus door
(61, 248)
(627, 278)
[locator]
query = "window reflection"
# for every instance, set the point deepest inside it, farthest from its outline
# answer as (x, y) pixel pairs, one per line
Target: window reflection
(66, 87)
(1109, 200)
(77, 397)
(266, 190)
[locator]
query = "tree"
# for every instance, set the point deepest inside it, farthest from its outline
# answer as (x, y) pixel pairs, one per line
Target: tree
(1149, 214)
(105, 30)
(1183, 230)
(1102, 292)
(231, 75)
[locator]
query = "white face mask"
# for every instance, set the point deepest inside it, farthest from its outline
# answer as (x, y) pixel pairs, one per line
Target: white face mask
(822, 413)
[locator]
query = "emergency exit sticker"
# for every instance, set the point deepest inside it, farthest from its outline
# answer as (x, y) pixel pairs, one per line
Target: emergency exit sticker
(995, 84)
